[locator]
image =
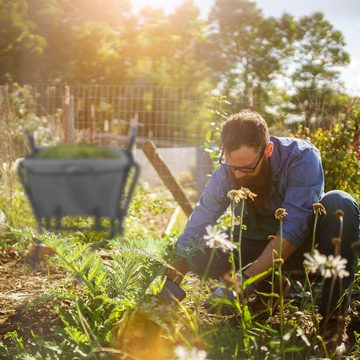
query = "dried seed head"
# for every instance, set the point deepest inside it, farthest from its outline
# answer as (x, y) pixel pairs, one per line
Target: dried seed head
(231, 282)
(237, 220)
(241, 194)
(271, 237)
(280, 213)
(319, 208)
(336, 241)
(234, 196)
(276, 254)
(248, 193)
(339, 213)
(278, 262)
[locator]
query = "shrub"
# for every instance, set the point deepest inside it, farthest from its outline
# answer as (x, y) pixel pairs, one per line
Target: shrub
(17, 114)
(339, 154)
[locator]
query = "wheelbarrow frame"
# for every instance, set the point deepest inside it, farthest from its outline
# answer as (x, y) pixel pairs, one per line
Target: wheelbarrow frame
(103, 172)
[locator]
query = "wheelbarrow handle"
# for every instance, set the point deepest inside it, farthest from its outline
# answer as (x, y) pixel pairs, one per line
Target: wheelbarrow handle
(132, 134)
(30, 137)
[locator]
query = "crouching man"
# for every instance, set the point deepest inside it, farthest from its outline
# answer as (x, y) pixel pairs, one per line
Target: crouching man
(285, 173)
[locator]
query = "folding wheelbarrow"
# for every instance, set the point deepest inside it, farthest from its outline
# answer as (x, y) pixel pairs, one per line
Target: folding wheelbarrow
(95, 188)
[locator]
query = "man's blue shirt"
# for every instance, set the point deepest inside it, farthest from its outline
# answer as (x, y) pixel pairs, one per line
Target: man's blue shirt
(297, 182)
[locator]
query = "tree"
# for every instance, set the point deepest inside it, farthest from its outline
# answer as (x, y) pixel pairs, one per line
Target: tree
(319, 50)
(19, 43)
(168, 56)
(86, 41)
(246, 49)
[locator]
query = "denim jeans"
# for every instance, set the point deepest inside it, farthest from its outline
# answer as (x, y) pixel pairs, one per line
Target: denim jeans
(328, 226)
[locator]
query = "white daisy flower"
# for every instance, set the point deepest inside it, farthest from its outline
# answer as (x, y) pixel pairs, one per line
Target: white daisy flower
(328, 266)
(218, 240)
(183, 353)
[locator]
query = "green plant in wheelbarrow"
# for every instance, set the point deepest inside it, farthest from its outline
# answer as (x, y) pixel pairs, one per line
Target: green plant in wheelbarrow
(77, 151)
(87, 181)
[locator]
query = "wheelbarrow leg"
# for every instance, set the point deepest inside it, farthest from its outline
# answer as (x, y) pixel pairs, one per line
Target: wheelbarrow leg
(34, 257)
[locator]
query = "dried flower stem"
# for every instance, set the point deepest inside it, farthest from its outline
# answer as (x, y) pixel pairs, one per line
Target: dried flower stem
(340, 215)
(208, 265)
(242, 206)
(314, 232)
(232, 259)
(272, 281)
(319, 209)
(332, 287)
(312, 302)
(280, 214)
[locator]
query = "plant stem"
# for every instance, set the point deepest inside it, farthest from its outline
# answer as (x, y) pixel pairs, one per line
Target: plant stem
(211, 258)
(242, 205)
(313, 316)
(232, 259)
(281, 289)
(314, 232)
(332, 286)
(272, 283)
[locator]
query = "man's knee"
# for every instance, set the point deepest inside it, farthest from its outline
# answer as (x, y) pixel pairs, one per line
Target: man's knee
(339, 200)
(335, 201)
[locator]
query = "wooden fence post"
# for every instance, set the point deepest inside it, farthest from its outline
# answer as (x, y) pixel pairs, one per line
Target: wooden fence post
(166, 176)
(68, 116)
(92, 123)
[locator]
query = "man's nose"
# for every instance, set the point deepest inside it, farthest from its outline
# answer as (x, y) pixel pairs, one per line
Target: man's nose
(239, 174)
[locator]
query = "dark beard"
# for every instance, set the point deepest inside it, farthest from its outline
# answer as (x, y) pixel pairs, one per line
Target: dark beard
(259, 184)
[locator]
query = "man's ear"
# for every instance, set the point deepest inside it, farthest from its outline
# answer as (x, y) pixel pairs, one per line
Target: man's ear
(269, 149)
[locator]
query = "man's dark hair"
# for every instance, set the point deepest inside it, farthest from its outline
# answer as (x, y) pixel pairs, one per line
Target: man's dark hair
(244, 128)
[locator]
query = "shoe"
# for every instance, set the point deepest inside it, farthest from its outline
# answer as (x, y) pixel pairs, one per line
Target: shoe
(171, 293)
(334, 333)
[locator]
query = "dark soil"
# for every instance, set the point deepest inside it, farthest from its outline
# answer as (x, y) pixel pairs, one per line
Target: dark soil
(23, 306)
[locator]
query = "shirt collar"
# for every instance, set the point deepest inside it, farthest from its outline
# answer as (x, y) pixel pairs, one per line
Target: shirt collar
(275, 159)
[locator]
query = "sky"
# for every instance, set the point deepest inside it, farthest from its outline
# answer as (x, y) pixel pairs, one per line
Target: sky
(344, 15)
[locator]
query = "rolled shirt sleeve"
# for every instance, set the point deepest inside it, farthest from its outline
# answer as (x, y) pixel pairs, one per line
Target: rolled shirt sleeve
(212, 204)
(305, 185)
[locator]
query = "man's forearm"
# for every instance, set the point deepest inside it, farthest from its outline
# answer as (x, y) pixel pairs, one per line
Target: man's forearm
(265, 260)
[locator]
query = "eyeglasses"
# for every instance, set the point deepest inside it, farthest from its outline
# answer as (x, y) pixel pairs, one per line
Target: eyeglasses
(243, 169)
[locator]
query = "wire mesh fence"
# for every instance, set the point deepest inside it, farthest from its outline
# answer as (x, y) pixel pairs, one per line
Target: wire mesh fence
(172, 117)
(168, 115)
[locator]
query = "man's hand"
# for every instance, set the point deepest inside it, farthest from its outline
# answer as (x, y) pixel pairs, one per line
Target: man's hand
(265, 260)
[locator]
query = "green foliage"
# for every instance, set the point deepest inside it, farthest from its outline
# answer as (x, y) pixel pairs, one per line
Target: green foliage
(14, 204)
(17, 115)
(111, 312)
(219, 108)
(339, 155)
(111, 289)
(18, 38)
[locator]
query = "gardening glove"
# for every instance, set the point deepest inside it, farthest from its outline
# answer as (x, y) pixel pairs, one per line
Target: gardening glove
(171, 293)
(215, 304)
